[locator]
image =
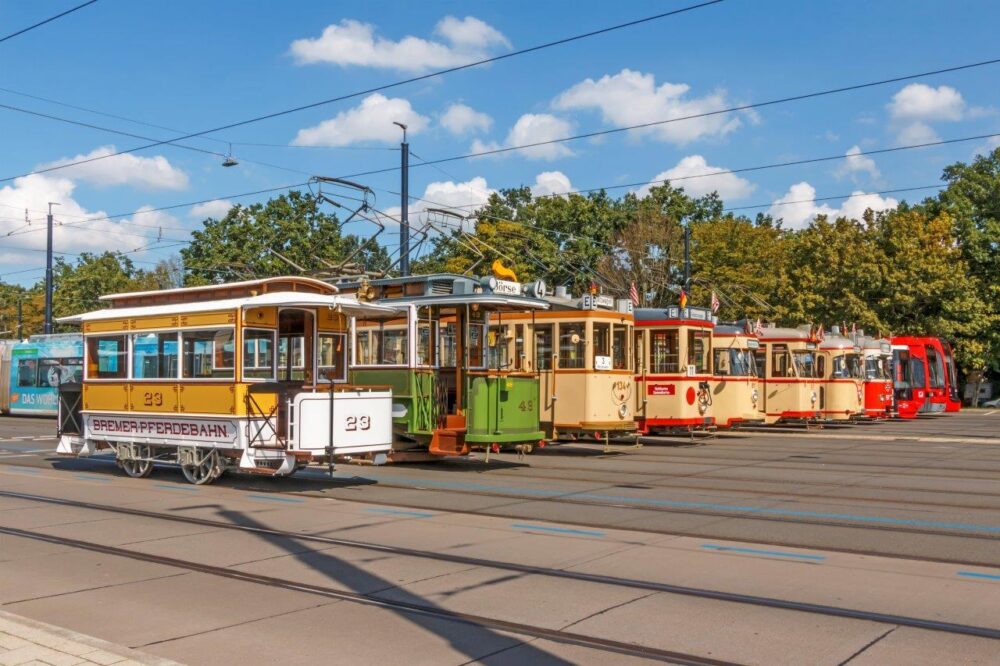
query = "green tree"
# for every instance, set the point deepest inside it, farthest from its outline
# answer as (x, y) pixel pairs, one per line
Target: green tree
(288, 234)
(78, 287)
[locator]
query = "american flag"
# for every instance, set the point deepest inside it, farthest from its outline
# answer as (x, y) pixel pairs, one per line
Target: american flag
(715, 303)
(633, 293)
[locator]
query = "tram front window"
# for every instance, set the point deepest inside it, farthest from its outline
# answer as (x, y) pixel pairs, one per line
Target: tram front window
(781, 365)
(619, 348)
(477, 344)
(497, 347)
(806, 364)
(698, 344)
(602, 346)
(935, 368)
(733, 363)
(903, 369)
(664, 352)
(449, 346)
(543, 347)
(572, 345)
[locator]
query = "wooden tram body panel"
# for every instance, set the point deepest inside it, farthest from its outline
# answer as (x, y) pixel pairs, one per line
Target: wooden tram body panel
(583, 359)
(455, 390)
(736, 395)
(841, 378)
(249, 375)
(789, 388)
(673, 377)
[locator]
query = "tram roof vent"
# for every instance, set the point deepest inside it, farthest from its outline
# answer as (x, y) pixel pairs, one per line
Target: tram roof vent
(561, 292)
(441, 287)
(834, 330)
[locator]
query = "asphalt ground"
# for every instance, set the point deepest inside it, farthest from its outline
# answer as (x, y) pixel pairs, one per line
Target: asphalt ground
(873, 543)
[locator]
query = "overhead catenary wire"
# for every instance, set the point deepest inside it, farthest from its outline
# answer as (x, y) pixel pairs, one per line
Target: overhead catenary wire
(382, 87)
(46, 21)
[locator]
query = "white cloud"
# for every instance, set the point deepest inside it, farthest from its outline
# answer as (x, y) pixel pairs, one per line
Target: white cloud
(460, 119)
(353, 43)
(857, 164)
(918, 101)
(533, 128)
(632, 98)
(216, 208)
(988, 147)
(551, 183)
(71, 233)
(798, 206)
(147, 173)
(462, 197)
(691, 174)
(916, 133)
(372, 120)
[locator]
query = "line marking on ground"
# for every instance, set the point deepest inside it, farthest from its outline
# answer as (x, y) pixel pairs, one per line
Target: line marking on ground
(25, 470)
(91, 477)
(269, 498)
(401, 512)
(990, 412)
(167, 486)
(559, 530)
(769, 553)
(16, 455)
(976, 574)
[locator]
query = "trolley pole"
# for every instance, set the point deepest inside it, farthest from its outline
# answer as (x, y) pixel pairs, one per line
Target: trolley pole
(404, 204)
(48, 273)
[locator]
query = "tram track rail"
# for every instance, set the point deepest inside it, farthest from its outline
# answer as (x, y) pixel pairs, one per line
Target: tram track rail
(493, 623)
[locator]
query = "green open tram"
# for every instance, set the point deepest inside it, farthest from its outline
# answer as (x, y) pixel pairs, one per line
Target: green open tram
(454, 387)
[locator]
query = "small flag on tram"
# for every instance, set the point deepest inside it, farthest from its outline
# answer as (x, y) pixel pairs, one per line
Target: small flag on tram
(633, 293)
(683, 298)
(759, 328)
(715, 303)
(593, 288)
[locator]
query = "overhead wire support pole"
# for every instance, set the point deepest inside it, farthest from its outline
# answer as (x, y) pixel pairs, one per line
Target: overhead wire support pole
(48, 272)
(404, 196)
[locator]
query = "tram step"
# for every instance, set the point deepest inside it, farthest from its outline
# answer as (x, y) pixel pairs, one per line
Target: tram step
(449, 442)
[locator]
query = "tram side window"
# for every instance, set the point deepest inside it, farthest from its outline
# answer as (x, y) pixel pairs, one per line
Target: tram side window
(901, 368)
(426, 342)
(936, 368)
(449, 345)
(208, 354)
(619, 348)
(477, 344)
(519, 359)
(56, 371)
(543, 347)
(602, 345)
(571, 345)
(780, 362)
(664, 351)
(27, 372)
(258, 354)
(639, 349)
(698, 344)
(107, 357)
(332, 357)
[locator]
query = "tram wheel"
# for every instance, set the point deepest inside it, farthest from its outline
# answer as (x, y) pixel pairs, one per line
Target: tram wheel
(207, 471)
(139, 469)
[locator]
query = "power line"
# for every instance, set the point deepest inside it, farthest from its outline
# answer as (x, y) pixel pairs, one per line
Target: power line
(48, 20)
(396, 84)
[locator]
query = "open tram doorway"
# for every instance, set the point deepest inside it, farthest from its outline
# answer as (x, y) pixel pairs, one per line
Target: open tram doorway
(296, 347)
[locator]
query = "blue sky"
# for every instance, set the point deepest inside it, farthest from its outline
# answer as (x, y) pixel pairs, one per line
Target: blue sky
(193, 65)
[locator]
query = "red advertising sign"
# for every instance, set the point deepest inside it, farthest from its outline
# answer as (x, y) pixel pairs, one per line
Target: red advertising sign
(661, 389)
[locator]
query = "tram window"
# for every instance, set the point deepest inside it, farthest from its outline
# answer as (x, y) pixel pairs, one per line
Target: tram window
(873, 368)
(258, 354)
(806, 364)
(572, 354)
(497, 347)
(332, 357)
(449, 345)
(855, 366)
(208, 354)
(426, 344)
(639, 352)
(917, 372)
(780, 362)
(154, 356)
(902, 368)
(840, 369)
(698, 343)
(543, 347)
(107, 357)
(619, 348)
(519, 359)
(55, 371)
(936, 368)
(664, 351)
(27, 372)
(393, 346)
(733, 363)
(477, 343)
(760, 362)
(602, 345)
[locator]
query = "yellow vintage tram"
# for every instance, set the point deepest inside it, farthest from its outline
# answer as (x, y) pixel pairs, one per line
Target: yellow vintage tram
(673, 349)
(581, 351)
(249, 376)
(841, 371)
(789, 385)
(736, 398)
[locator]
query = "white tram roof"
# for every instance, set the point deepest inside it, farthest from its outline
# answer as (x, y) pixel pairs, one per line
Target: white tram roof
(319, 284)
(349, 305)
(495, 300)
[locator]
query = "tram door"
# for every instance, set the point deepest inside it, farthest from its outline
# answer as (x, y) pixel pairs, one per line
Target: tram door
(296, 346)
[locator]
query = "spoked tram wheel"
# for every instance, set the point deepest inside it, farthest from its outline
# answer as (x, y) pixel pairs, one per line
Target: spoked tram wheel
(139, 469)
(208, 470)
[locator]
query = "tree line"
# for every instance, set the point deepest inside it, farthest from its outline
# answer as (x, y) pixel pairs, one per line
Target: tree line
(930, 267)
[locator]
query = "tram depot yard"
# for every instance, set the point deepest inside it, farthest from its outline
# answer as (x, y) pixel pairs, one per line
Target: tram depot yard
(869, 543)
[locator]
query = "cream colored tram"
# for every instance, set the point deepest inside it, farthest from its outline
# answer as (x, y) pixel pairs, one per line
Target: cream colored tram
(736, 398)
(581, 351)
(250, 376)
(789, 385)
(673, 351)
(841, 371)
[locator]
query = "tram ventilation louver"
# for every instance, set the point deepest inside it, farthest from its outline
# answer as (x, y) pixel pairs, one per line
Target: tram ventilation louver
(439, 287)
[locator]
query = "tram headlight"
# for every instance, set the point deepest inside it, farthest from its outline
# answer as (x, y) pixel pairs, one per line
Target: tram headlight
(813, 397)
(754, 397)
(622, 410)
